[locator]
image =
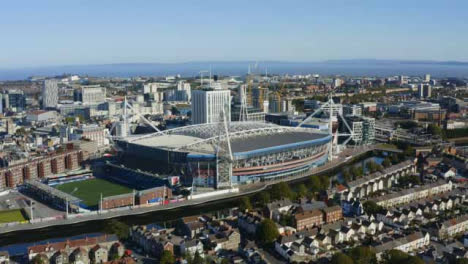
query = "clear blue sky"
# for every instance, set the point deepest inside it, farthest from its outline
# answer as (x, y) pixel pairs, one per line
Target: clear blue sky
(38, 33)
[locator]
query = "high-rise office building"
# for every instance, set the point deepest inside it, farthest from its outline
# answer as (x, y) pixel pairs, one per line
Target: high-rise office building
(260, 98)
(14, 100)
(363, 129)
(184, 91)
(402, 80)
(424, 90)
(152, 92)
(50, 94)
(207, 105)
(90, 94)
(427, 78)
(355, 110)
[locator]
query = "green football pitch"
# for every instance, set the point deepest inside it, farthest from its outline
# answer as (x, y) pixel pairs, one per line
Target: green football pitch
(8, 216)
(89, 191)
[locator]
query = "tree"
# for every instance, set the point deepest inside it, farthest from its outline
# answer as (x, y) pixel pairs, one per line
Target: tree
(346, 175)
(379, 167)
(281, 190)
(197, 259)
(400, 257)
(116, 227)
(363, 255)
(244, 203)
(409, 151)
(395, 158)
(275, 192)
(298, 104)
(114, 256)
(301, 190)
(175, 111)
(263, 198)
(409, 179)
(371, 207)
(434, 130)
(357, 171)
(167, 257)
(387, 162)
(462, 261)
(267, 231)
(371, 166)
(40, 259)
(188, 258)
(20, 131)
(225, 261)
(324, 182)
(314, 183)
(340, 258)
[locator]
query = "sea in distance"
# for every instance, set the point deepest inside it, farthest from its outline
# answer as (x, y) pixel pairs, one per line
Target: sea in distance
(377, 68)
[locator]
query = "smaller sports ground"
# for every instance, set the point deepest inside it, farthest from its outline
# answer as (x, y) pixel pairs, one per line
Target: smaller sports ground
(15, 215)
(89, 191)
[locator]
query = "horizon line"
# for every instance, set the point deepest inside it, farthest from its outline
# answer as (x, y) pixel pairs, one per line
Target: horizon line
(423, 61)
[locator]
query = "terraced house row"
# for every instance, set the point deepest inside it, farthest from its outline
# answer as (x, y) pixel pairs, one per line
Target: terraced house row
(410, 195)
(377, 181)
(454, 226)
(84, 250)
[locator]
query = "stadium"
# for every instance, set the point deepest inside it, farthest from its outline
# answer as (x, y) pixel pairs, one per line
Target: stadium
(199, 153)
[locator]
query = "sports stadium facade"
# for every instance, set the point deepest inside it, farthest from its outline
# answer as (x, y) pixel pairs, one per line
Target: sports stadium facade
(260, 151)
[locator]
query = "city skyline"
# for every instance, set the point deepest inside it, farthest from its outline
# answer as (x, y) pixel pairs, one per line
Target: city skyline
(56, 33)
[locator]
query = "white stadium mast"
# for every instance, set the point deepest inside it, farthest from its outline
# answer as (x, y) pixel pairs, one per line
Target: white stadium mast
(334, 148)
(125, 121)
(224, 158)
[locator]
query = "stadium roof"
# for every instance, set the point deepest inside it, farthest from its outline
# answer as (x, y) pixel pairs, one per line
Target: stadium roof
(51, 190)
(245, 137)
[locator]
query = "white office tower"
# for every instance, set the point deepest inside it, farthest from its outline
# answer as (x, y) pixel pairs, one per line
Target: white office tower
(184, 91)
(427, 78)
(91, 94)
(207, 105)
(424, 90)
(337, 82)
(50, 94)
(150, 88)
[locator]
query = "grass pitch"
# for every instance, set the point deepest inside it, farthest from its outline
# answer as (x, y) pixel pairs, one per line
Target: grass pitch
(90, 190)
(15, 215)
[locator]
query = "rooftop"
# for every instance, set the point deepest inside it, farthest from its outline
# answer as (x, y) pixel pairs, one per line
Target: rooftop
(245, 137)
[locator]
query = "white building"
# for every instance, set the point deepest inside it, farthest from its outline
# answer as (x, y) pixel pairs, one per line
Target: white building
(424, 90)
(93, 133)
(207, 106)
(184, 91)
(154, 90)
(427, 78)
(150, 88)
(41, 116)
(409, 243)
(91, 94)
(50, 94)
